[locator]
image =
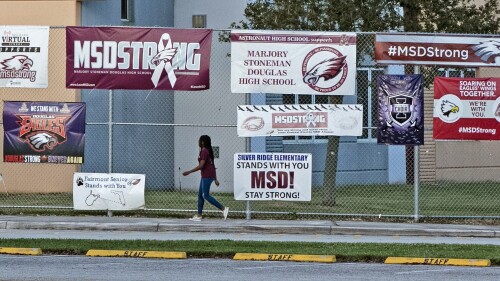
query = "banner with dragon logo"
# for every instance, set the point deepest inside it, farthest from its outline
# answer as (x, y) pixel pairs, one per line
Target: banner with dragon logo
(401, 109)
(466, 109)
(138, 58)
(293, 62)
(437, 49)
(44, 132)
(300, 120)
(24, 56)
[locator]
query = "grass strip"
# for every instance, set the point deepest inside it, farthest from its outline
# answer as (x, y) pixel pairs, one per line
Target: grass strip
(345, 252)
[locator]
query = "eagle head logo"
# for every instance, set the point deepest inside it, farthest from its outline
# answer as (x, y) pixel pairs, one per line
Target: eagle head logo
(448, 107)
(18, 62)
(253, 123)
(326, 69)
(164, 55)
(42, 141)
(487, 51)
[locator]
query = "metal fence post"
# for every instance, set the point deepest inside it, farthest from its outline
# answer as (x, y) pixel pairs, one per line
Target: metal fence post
(416, 174)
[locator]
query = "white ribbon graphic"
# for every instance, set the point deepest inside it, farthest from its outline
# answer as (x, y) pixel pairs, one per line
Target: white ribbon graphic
(164, 58)
(310, 119)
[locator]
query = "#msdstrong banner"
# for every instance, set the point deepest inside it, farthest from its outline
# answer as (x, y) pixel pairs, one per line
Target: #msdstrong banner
(138, 58)
(44, 132)
(24, 56)
(286, 62)
(272, 176)
(401, 109)
(466, 108)
(461, 50)
(300, 120)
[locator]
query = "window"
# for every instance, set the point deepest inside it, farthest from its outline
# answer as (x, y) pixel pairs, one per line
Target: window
(125, 10)
(199, 21)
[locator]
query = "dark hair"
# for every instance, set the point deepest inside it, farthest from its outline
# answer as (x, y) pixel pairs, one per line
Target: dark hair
(206, 142)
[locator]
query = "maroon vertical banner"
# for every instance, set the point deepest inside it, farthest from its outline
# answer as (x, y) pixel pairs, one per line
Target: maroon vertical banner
(138, 58)
(466, 109)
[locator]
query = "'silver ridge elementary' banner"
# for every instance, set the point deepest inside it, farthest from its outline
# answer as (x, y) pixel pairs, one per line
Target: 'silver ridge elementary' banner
(272, 176)
(466, 108)
(44, 132)
(138, 58)
(300, 120)
(460, 50)
(24, 52)
(298, 62)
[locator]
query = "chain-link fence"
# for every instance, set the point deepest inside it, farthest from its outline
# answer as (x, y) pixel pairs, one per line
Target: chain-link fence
(156, 133)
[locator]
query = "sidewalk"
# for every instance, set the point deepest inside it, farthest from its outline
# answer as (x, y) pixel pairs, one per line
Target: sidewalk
(323, 227)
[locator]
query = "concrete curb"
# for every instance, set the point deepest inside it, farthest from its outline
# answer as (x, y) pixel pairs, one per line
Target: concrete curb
(285, 257)
(136, 254)
(438, 261)
(248, 226)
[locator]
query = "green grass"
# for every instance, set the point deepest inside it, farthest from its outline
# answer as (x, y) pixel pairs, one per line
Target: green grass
(345, 252)
(445, 199)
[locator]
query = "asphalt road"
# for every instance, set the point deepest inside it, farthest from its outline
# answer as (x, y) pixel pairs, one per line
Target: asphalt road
(58, 268)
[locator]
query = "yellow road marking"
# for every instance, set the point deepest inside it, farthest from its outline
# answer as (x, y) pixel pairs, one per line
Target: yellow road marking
(21, 251)
(437, 261)
(136, 254)
(284, 257)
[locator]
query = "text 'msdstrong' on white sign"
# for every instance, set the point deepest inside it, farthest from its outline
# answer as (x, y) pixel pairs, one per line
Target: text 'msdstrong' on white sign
(24, 56)
(272, 176)
(293, 62)
(300, 120)
(102, 191)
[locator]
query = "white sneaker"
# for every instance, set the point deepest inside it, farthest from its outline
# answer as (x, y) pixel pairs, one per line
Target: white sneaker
(195, 218)
(225, 212)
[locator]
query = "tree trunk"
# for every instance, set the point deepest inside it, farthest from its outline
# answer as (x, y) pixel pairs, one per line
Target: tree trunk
(330, 173)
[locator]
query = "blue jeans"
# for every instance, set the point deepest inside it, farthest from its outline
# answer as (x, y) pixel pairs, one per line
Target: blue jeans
(204, 194)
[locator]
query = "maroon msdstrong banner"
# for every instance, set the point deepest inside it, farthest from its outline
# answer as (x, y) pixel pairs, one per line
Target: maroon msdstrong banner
(138, 58)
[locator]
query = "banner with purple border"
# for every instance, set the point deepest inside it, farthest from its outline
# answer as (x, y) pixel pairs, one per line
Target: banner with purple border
(44, 132)
(401, 109)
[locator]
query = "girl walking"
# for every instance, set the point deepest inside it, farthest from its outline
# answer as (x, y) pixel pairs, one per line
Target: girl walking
(208, 175)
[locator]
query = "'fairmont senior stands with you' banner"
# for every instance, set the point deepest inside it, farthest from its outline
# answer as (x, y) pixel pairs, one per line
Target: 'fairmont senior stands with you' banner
(138, 58)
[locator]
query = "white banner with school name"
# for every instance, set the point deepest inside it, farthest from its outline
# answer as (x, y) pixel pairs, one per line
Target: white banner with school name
(300, 119)
(102, 191)
(293, 62)
(272, 176)
(24, 53)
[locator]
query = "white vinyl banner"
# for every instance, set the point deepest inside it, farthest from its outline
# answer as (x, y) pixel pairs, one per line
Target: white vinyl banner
(24, 52)
(293, 62)
(100, 191)
(272, 176)
(300, 119)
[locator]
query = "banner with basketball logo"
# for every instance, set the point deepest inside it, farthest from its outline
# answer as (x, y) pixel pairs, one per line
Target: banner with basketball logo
(138, 58)
(24, 56)
(44, 132)
(300, 120)
(466, 108)
(293, 62)
(401, 109)
(437, 49)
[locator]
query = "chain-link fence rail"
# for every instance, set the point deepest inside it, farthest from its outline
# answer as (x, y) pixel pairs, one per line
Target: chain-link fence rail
(156, 133)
